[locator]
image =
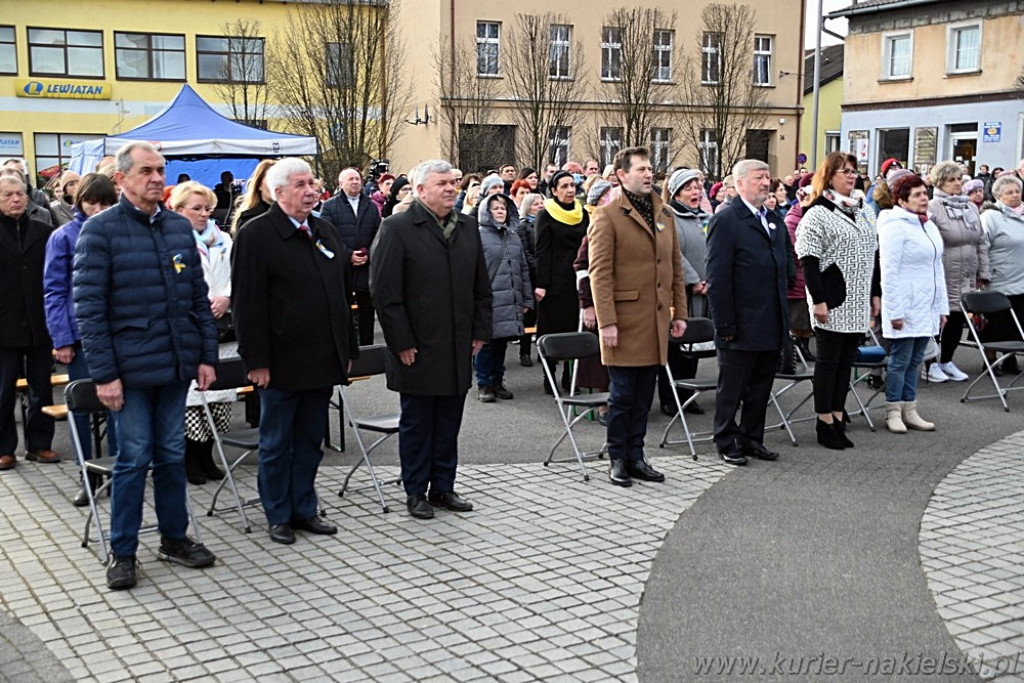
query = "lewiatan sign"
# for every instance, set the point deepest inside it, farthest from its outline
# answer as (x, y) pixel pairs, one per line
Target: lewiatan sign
(77, 90)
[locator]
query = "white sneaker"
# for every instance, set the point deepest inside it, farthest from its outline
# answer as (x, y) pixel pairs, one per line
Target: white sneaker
(953, 372)
(936, 375)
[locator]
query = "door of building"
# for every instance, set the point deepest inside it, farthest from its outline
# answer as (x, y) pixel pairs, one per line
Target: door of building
(965, 148)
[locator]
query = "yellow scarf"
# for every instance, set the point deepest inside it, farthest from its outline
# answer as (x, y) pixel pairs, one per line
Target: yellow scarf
(561, 215)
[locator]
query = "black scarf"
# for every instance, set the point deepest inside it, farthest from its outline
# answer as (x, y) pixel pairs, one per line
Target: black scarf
(643, 204)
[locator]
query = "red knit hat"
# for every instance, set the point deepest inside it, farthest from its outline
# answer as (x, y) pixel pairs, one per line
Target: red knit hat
(889, 162)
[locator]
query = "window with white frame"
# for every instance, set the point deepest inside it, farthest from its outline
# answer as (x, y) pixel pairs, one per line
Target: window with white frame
(709, 152)
(487, 47)
(831, 141)
(963, 48)
(558, 51)
(897, 55)
(711, 59)
(660, 157)
(611, 53)
(661, 58)
(558, 145)
(763, 60)
(611, 142)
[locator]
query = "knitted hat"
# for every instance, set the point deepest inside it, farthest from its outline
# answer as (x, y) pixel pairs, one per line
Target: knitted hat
(807, 180)
(714, 190)
(972, 185)
(679, 179)
(887, 164)
(597, 190)
(896, 175)
(68, 177)
(490, 181)
(400, 182)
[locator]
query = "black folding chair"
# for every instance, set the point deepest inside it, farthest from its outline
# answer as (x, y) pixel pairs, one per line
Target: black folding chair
(231, 374)
(571, 346)
(369, 364)
(698, 331)
(988, 303)
(80, 397)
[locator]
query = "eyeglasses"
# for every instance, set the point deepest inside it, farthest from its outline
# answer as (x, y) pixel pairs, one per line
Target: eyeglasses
(848, 172)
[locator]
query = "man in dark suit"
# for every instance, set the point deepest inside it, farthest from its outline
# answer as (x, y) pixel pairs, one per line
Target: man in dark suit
(429, 281)
(289, 290)
(746, 275)
(357, 221)
(24, 341)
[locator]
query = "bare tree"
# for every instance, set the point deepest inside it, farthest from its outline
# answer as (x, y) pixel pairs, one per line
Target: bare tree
(243, 84)
(637, 88)
(467, 100)
(718, 84)
(544, 88)
(328, 72)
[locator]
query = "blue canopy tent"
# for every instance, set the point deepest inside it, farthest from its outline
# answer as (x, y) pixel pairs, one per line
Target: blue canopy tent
(196, 140)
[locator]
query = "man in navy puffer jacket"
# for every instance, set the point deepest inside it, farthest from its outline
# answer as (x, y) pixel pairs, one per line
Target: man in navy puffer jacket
(147, 331)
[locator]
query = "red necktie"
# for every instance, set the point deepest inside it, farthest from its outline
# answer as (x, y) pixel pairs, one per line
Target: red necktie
(309, 233)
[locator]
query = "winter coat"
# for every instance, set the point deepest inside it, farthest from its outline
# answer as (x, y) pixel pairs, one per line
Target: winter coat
(62, 211)
(798, 290)
(60, 308)
(913, 279)
(22, 255)
(379, 200)
(636, 275)
(965, 249)
(356, 230)
(508, 273)
(140, 298)
(528, 237)
(828, 234)
(290, 301)
(431, 294)
(746, 270)
(1005, 232)
(693, 243)
(557, 244)
(259, 209)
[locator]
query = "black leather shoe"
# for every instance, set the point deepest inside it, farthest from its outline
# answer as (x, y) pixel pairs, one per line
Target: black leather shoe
(419, 507)
(282, 533)
(121, 572)
(81, 498)
(694, 409)
(485, 394)
(732, 457)
(315, 525)
(758, 451)
(449, 500)
(642, 470)
(185, 551)
(502, 392)
(618, 473)
(668, 410)
(526, 361)
(602, 418)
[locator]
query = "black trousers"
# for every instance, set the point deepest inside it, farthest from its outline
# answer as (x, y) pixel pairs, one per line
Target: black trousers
(364, 302)
(683, 366)
(743, 377)
(526, 341)
(836, 353)
(631, 390)
(37, 364)
(950, 336)
(428, 442)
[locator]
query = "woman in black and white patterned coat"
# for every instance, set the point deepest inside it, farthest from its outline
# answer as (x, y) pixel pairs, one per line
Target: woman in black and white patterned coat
(836, 243)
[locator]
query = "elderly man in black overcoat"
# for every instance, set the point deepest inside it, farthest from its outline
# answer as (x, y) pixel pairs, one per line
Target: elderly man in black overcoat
(429, 282)
(290, 285)
(746, 275)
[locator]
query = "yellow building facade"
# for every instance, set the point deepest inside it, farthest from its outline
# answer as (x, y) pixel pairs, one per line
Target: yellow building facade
(830, 106)
(75, 71)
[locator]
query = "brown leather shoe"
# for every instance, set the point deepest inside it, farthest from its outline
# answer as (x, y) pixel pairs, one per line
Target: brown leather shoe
(8, 462)
(43, 456)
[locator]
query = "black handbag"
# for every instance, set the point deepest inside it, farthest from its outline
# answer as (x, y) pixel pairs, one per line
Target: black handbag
(835, 286)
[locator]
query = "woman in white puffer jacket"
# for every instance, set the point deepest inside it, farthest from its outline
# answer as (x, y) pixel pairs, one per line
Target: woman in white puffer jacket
(914, 300)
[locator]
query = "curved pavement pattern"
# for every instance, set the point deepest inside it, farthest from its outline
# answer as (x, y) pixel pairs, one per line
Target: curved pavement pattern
(811, 566)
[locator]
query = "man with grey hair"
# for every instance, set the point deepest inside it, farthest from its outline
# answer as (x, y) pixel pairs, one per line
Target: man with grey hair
(147, 332)
(430, 284)
(746, 282)
(24, 341)
(290, 283)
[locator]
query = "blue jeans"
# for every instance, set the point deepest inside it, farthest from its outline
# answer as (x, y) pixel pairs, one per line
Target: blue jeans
(489, 362)
(292, 427)
(79, 369)
(151, 432)
(905, 358)
(629, 401)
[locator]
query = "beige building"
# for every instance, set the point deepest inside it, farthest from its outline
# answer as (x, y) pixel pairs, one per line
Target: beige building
(927, 80)
(463, 57)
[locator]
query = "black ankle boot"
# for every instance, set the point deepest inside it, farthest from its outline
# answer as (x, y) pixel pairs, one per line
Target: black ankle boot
(827, 435)
(840, 427)
(210, 468)
(805, 348)
(194, 462)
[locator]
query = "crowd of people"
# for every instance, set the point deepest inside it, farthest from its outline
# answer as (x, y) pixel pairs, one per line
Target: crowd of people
(145, 287)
